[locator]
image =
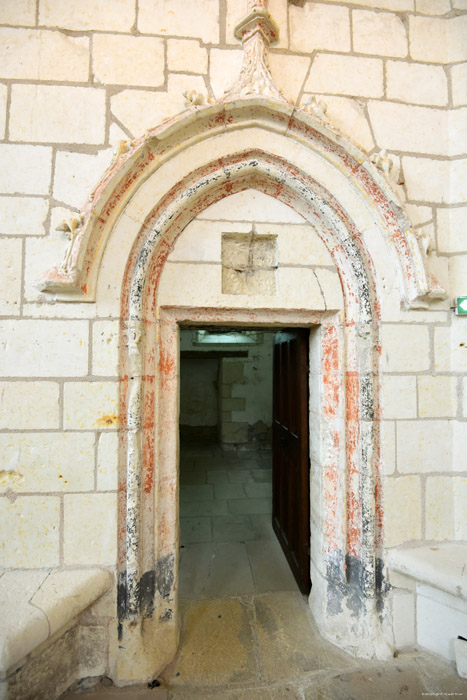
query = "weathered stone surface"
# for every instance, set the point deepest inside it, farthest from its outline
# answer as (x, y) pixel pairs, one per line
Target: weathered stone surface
(319, 26)
(76, 174)
(49, 114)
(25, 169)
(415, 342)
(438, 181)
(10, 280)
(399, 397)
(92, 538)
(90, 405)
(177, 18)
(38, 348)
(459, 84)
(423, 446)
(346, 75)
(3, 109)
(88, 14)
(215, 645)
(107, 462)
(289, 644)
(34, 522)
(417, 83)
(29, 405)
(65, 462)
(379, 33)
(449, 47)
(385, 682)
(403, 510)
(43, 55)
(439, 509)
(22, 216)
(105, 348)
(21, 12)
(186, 56)
(437, 396)
(125, 60)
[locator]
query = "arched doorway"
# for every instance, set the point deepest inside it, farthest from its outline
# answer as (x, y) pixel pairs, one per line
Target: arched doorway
(143, 203)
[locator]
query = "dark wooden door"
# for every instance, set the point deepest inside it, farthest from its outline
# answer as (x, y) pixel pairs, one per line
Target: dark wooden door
(291, 492)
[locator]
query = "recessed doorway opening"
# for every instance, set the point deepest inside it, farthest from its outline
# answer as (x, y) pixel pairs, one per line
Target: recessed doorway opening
(244, 461)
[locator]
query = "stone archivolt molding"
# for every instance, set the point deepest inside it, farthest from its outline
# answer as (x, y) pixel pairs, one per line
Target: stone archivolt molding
(75, 278)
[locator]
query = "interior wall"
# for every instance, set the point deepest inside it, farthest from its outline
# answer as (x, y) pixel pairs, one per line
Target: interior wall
(199, 392)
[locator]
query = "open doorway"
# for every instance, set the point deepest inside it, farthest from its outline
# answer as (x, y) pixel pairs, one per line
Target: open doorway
(239, 418)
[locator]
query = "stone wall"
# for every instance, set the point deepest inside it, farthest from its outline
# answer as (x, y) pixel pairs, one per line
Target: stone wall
(76, 78)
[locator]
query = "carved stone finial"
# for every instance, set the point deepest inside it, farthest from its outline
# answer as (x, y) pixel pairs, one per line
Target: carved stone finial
(257, 30)
(382, 161)
(316, 106)
(71, 228)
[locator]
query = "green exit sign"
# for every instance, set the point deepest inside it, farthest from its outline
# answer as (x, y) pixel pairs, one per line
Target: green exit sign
(461, 306)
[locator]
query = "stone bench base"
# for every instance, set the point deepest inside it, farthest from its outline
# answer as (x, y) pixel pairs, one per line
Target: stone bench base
(429, 601)
(42, 647)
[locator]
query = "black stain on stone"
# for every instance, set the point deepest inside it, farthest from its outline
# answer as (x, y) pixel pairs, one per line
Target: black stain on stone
(367, 404)
(165, 576)
(159, 580)
(122, 597)
(146, 591)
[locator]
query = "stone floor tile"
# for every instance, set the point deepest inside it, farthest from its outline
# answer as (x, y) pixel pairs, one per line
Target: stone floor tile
(262, 475)
(200, 508)
(271, 571)
(192, 477)
(239, 476)
(233, 528)
(195, 560)
(229, 491)
(215, 645)
(287, 692)
(382, 683)
(229, 572)
(262, 524)
(197, 492)
(195, 530)
(289, 643)
(259, 490)
(250, 505)
(217, 477)
(138, 692)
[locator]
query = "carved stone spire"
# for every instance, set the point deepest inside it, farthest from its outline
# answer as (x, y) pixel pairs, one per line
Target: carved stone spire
(257, 30)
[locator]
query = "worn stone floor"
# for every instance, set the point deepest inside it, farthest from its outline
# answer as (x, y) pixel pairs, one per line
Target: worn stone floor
(247, 633)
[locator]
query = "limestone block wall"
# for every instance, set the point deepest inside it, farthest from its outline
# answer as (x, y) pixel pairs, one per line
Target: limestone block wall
(76, 77)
